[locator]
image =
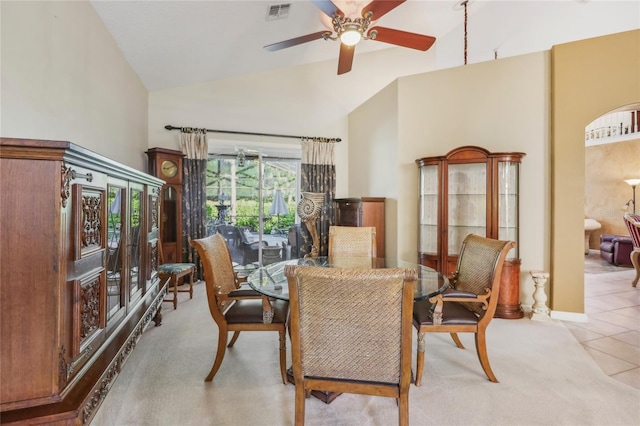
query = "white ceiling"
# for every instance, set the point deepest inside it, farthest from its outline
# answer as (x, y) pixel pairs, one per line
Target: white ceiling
(178, 43)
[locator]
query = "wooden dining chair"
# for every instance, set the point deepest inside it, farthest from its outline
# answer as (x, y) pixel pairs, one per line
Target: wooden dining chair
(471, 302)
(355, 241)
(233, 307)
(176, 273)
(340, 344)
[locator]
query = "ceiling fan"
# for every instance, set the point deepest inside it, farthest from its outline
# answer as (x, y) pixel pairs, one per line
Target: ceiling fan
(350, 31)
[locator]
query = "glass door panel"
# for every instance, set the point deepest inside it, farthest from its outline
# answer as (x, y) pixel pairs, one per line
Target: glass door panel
(135, 215)
(467, 203)
(508, 204)
(429, 209)
(115, 249)
(251, 202)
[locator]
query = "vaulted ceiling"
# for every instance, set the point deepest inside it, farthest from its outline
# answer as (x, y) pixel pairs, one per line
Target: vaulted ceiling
(178, 43)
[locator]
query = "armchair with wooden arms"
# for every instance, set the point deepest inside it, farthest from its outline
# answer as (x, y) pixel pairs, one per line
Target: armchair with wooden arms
(633, 225)
(340, 344)
(234, 307)
(470, 304)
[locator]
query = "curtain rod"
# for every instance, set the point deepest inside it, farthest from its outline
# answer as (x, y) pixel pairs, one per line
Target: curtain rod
(232, 132)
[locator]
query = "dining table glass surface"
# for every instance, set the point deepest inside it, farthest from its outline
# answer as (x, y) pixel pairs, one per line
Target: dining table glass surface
(271, 281)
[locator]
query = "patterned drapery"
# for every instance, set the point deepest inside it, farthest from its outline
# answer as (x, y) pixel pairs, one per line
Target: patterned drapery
(193, 143)
(318, 174)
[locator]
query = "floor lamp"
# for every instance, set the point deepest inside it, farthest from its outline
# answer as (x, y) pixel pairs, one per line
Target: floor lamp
(633, 183)
(309, 209)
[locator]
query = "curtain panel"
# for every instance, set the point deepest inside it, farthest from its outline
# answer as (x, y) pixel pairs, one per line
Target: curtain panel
(193, 143)
(318, 174)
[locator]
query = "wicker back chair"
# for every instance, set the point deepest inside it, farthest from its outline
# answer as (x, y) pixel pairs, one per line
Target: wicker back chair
(633, 225)
(233, 307)
(340, 344)
(470, 304)
(352, 241)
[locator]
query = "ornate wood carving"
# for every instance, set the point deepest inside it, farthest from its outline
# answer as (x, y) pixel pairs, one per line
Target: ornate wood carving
(65, 184)
(91, 219)
(89, 308)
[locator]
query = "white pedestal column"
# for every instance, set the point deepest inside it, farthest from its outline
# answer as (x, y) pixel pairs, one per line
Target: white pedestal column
(539, 310)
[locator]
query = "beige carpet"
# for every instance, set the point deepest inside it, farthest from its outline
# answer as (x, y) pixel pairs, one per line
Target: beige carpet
(546, 378)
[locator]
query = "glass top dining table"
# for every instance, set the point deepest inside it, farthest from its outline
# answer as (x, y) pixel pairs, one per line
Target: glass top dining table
(271, 281)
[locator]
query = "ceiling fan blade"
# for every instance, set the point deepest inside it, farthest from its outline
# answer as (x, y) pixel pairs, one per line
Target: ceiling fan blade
(346, 58)
(403, 38)
(328, 7)
(381, 7)
(295, 41)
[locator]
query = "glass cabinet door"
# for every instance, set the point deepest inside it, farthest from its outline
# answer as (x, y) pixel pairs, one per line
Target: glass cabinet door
(135, 224)
(115, 247)
(429, 184)
(508, 174)
(467, 203)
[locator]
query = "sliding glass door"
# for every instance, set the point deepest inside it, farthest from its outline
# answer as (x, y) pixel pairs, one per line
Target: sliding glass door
(251, 201)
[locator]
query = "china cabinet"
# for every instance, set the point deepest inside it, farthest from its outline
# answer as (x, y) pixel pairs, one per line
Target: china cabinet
(470, 190)
(166, 164)
(78, 277)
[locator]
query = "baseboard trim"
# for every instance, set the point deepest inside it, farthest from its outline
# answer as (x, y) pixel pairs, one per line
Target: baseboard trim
(569, 316)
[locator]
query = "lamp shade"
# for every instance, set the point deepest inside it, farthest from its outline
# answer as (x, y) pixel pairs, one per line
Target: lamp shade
(278, 206)
(632, 182)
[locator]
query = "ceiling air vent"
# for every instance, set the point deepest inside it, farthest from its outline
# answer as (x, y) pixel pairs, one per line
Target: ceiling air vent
(278, 11)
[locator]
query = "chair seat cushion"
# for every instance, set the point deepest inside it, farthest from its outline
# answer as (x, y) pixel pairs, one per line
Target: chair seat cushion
(250, 311)
(175, 268)
(452, 313)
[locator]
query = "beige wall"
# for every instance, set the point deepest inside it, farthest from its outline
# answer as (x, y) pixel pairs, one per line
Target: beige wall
(373, 146)
(64, 78)
(584, 86)
(606, 167)
(500, 105)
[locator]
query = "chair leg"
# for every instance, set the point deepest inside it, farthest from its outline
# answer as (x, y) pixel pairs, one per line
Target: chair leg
(174, 280)
(420, 359)
(403, 409)
(283, 355)
(222, 347)
(481, 349)
(191, 285)
(234, 338)
(635, 261)
(457, 341)
(300, 402)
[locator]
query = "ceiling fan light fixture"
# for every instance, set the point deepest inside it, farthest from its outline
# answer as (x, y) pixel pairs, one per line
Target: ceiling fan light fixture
(351, 35)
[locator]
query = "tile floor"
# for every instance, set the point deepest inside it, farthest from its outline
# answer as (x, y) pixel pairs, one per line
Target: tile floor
(612, 334)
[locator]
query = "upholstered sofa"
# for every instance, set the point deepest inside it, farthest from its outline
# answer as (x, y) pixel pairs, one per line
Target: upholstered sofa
(616, 249)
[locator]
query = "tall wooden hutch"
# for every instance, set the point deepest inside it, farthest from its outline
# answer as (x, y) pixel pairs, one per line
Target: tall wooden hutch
(471, 190)
(166, 164)
(364, 211)
(78, 277)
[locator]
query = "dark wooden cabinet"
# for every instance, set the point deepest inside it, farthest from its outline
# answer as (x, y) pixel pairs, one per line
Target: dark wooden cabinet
(166, 164)
(471, 190)
(365, 211)
(77, 277)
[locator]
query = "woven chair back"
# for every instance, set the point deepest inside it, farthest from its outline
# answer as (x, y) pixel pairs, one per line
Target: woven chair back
(352, 241)
(634, 231)
(218, 268)
(350, 322)
(478, 269)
